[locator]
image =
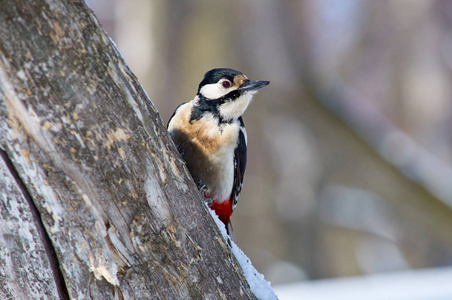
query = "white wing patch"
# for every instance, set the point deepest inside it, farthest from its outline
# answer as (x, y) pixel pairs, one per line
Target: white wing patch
(244, 134)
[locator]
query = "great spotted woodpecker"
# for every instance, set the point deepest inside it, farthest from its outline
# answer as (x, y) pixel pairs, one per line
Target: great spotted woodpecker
(211, 137)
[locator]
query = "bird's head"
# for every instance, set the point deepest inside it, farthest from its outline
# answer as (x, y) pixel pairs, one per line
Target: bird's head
(227, 92)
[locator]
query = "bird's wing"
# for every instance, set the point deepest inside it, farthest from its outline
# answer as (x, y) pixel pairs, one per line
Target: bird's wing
(239, 164)
(169, 121)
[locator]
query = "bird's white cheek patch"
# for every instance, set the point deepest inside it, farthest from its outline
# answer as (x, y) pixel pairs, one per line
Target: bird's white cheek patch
(213, 91)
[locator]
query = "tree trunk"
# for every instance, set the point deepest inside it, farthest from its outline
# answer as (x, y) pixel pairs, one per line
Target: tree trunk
(95, 202)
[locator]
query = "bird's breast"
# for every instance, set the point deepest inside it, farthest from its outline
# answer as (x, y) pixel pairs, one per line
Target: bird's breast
(208, 150)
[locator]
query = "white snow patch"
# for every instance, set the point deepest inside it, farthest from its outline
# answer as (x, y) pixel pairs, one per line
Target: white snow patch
(259, 286)
(426, 284)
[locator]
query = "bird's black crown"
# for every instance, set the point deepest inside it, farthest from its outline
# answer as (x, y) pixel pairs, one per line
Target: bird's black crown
(216, 74)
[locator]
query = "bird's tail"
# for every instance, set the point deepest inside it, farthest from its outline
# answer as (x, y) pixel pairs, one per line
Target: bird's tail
(230, 231)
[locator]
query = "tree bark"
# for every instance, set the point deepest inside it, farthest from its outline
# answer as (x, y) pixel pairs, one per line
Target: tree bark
(95, 202)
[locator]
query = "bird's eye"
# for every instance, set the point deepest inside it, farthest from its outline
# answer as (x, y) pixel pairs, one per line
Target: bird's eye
(226, 84)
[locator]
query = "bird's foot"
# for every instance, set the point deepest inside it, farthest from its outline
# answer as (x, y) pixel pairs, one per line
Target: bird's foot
(205, 196)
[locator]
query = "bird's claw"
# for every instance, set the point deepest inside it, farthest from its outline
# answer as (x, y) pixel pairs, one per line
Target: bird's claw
(207, 199)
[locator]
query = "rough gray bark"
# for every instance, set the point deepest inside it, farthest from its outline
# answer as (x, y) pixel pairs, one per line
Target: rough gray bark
(88, 171)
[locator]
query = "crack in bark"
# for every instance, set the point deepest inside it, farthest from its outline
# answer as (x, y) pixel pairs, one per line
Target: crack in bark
(45, 238)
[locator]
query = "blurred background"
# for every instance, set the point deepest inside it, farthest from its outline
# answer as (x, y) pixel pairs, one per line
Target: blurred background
(350, 150)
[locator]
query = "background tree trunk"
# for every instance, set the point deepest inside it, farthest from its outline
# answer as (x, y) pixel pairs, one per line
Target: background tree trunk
(95, 202)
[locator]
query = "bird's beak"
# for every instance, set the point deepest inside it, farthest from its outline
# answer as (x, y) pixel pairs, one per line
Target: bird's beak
(252, 85)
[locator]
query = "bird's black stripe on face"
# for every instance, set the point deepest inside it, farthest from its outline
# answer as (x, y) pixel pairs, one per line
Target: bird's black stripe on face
(203, 106)
(212, 106)
(231, 96)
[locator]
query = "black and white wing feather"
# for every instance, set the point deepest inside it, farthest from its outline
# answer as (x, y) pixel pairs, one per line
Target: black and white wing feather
(239, 164)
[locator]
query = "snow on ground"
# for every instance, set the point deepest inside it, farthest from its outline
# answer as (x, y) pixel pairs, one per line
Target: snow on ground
(259, 286)
(427, 284)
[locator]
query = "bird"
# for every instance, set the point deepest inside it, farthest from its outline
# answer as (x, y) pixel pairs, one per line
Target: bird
(210, 135)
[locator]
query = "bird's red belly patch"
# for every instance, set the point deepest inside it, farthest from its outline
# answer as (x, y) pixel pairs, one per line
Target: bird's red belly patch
(223, 210)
